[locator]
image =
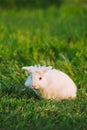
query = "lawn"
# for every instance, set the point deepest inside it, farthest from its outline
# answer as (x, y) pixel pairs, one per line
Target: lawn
(55, 36)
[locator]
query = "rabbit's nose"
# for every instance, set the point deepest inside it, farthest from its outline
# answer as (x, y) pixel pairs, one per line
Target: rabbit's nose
(35, 86)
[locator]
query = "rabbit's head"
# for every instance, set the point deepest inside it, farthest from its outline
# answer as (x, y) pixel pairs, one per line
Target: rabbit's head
(37, 78)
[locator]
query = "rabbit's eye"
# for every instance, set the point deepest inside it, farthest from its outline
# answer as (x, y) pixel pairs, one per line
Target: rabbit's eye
(40, 78)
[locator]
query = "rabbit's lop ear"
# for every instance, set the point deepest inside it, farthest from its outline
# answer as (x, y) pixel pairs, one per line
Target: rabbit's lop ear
(25, 68)
(28, 69)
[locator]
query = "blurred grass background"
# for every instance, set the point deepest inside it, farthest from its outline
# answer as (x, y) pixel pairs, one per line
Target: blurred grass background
(52, 32)
(37, 3)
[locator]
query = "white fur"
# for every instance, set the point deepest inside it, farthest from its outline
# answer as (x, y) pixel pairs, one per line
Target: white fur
(50, 83)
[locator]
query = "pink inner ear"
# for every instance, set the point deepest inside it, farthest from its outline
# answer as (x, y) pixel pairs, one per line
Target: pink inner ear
(45, 70)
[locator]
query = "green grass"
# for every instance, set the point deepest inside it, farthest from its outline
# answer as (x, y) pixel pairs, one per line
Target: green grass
(52, 36)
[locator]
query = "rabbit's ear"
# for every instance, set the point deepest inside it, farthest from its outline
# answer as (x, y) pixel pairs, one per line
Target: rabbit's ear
(45, 69)
(27, 68)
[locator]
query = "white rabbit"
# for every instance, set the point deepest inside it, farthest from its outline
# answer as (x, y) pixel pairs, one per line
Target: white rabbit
(50, 83)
